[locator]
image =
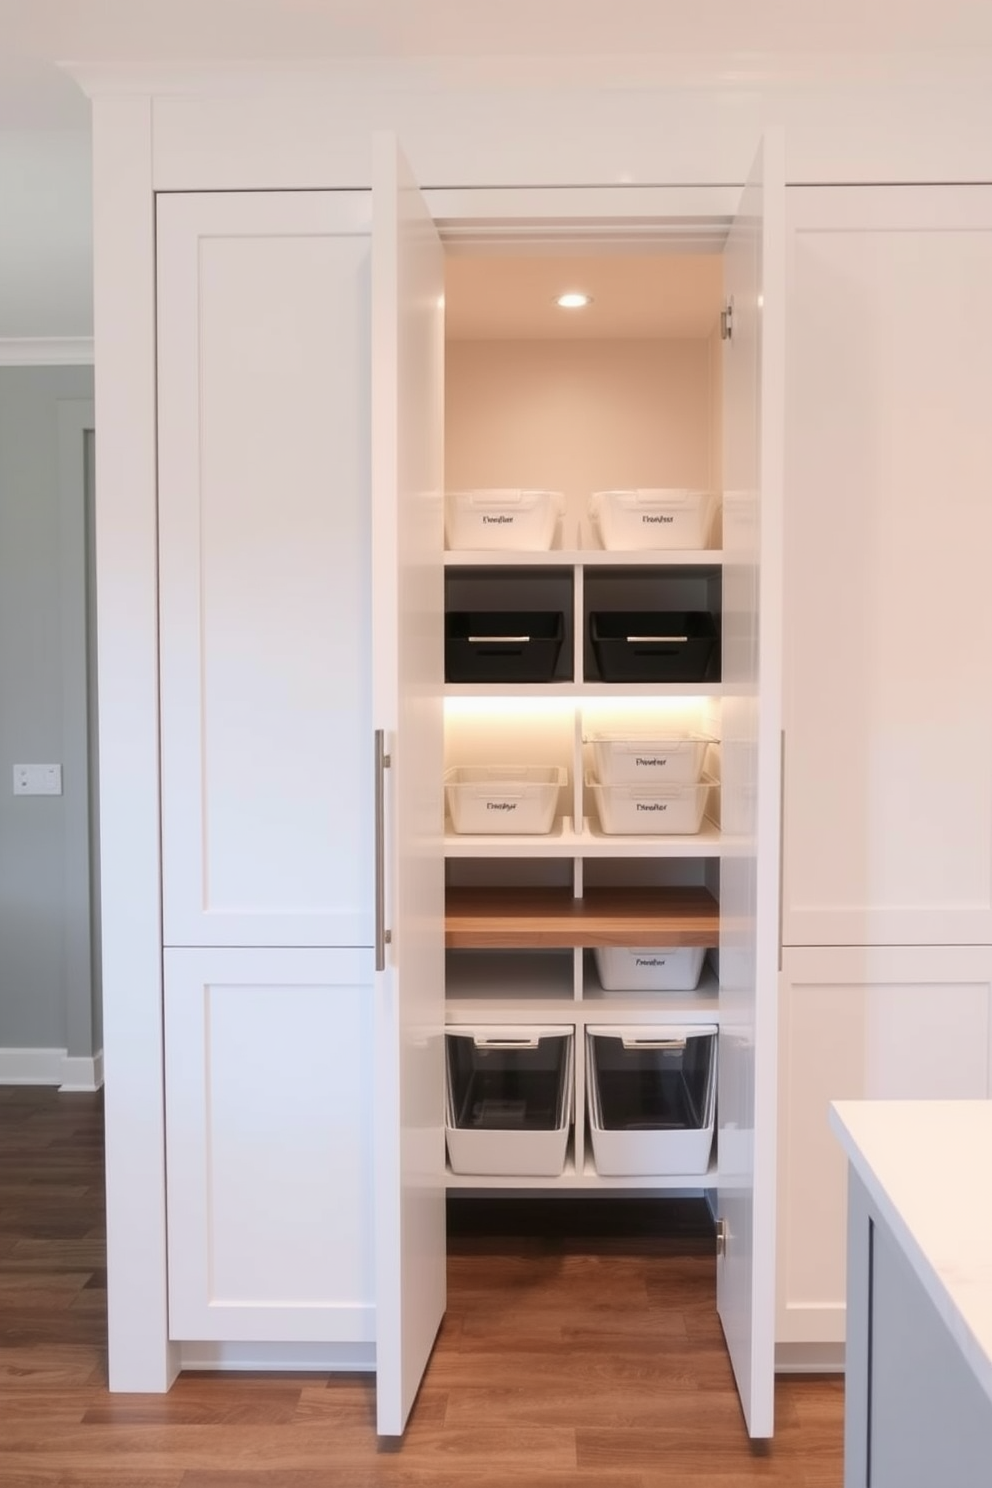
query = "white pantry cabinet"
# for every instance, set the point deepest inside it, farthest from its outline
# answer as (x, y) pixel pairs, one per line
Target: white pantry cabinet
(527, 414)
(862, 1023)
(275, 868)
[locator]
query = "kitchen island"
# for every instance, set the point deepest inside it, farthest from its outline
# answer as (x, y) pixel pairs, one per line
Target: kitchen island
(919, 1293)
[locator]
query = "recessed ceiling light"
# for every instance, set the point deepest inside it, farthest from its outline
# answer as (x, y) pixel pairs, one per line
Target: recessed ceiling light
(573, 300)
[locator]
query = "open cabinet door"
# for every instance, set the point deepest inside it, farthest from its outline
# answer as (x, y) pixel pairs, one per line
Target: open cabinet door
(754, 390)
(407, 542)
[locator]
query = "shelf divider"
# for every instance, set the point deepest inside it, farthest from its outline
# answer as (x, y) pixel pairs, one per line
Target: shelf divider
(518, 918)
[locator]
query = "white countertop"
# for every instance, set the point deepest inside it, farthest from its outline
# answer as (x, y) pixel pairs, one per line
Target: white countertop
(927, 1166)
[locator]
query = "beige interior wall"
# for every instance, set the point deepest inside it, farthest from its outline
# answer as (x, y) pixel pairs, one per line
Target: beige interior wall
(578, 416)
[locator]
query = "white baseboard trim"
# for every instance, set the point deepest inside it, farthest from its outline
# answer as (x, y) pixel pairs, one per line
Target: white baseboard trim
(79, 1073)
(46, 351)
(51, 1067)
(279, 1357)
(809, 1358)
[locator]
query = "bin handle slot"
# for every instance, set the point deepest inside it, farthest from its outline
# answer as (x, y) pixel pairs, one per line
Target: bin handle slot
(506, 1043)
(638, 1043)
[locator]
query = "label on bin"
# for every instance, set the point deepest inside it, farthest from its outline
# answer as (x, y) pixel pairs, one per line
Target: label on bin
(501, 805)
(652, 805)
(655, 762)
(650, 960)
(500, 521)
(660, 517)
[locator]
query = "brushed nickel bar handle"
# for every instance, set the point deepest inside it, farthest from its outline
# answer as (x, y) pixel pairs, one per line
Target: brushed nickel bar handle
(493, 640)
(633, 640)
(382, 935)
(781, 846)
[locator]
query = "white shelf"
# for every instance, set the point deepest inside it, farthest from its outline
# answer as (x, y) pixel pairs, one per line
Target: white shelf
(616, 691)
(564, 842)
(675, 1185)
(538, 986)
(586, 558)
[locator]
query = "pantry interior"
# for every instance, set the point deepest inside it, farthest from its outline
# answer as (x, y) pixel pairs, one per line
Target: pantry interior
(623, 394)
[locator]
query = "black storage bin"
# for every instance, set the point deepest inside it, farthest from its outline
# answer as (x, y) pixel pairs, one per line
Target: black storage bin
(655, 645)
(502, 645)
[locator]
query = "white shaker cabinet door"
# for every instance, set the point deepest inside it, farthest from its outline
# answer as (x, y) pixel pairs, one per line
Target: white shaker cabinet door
(888, 530)
(862, 1023)
(265, 568)
(407, 487)
(268, 1113)
(750, 751)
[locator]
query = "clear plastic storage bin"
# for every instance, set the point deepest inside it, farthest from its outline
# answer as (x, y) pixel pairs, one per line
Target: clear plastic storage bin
(661, 809)
(525, 521)
(503, 798)
(653, 518)
(509, 1099)
(648, 759)
(652, 1099)
(637, 969)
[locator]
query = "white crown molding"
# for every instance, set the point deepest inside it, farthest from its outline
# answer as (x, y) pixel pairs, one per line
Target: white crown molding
(51, 1067)
(757, 71)
(46, 351)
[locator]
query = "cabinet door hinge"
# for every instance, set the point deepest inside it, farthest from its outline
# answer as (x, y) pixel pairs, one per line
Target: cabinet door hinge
(727, 322)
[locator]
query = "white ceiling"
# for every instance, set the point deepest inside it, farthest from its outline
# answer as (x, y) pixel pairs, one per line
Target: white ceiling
(44, 163)
(35, 34)
(187, 30)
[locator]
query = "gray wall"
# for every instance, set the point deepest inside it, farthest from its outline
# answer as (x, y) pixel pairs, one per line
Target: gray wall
(47, 991)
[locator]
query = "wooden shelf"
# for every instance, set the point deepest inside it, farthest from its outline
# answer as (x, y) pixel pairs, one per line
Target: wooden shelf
(533, 917)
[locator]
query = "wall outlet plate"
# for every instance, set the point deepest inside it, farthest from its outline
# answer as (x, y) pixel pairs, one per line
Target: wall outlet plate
(37, 780)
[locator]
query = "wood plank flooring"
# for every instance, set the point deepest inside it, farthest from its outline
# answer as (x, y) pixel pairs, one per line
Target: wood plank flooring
(581, 1347)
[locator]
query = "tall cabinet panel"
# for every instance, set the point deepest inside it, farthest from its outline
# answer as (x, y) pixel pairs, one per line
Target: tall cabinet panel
(266, 767)
(888, 820)
(265, 584)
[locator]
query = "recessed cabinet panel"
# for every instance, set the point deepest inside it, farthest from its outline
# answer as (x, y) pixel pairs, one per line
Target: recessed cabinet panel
(888, 773)
(269, 1115)
(265, 589)
(886, 1023)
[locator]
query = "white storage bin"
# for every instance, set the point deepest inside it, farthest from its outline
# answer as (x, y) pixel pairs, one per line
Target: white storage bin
(653, 518)
(502, 518)
(509, 1099)
(668, 969)
(658, 809)
(503, 798)
(648, 759)
(652, 1099)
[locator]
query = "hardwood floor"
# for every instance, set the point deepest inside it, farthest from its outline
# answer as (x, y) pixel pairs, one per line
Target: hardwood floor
(583, 1349)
